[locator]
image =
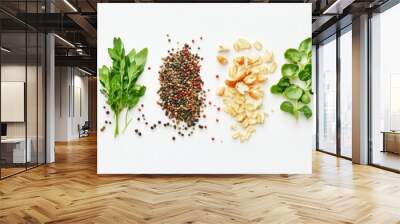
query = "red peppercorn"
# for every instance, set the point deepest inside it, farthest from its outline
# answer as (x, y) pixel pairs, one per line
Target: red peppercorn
(218, 108)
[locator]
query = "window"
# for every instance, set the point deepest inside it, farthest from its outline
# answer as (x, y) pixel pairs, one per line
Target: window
(327, 96)
(385, 89)
(346, 92)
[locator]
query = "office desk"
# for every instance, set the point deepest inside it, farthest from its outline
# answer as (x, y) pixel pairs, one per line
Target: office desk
(391, 141)
(13, 150)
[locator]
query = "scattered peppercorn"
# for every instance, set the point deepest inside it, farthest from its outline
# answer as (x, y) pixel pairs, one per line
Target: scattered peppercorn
(217, 76)
(138, 118)
(103, 128)
(136, 130)
(173, 138)
(146, 123)
(140, 133)
(107, 112)
(212, 138)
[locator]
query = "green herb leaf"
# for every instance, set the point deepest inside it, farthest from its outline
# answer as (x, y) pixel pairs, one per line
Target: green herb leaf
(276, 89)
(306, 111)
(141, 57)
(290, 70)
(131, 55)
(118, 83)
(306, 45)
(297, 69)
(293, 92)
(292, 55)
(113, 55)
(308, 68)
(305, 98)
(304, 75)
(287, 106)
(284, 82)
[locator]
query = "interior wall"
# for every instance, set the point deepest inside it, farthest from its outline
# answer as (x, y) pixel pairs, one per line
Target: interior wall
(16, 72)
(71, 102)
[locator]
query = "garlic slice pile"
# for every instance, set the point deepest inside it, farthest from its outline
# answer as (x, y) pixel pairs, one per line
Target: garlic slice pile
(244, 87)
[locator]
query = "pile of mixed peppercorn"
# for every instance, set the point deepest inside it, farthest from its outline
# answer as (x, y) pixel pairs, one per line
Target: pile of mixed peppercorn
(181, 92)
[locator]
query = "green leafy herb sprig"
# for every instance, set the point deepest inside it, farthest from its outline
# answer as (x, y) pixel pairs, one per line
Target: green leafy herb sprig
(118, 82)
(295, 84)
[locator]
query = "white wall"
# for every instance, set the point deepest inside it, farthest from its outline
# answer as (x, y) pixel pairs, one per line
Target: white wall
(69, 82)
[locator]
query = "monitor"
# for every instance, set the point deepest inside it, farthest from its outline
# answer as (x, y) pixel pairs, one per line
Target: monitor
(3, 129)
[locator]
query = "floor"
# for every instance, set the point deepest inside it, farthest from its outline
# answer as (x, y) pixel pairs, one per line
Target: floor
(70, 191)
(386, 159)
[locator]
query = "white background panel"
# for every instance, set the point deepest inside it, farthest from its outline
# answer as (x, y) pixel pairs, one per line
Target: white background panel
(281, 145)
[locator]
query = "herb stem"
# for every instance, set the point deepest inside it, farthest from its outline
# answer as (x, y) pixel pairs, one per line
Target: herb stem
(126, 121)
(116, 132)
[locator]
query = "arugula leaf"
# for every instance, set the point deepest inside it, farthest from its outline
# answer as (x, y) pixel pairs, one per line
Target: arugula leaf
(118, 83)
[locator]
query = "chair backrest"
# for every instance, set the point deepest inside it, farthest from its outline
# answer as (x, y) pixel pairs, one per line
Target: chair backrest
(86, 125)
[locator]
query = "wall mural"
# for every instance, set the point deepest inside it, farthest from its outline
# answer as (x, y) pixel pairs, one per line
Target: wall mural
(204, 99)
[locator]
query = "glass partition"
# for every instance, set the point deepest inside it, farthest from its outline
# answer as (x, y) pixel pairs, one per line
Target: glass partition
(22, 77)
(385, 90)
(346, 93)
(327, 96)
(13, 94)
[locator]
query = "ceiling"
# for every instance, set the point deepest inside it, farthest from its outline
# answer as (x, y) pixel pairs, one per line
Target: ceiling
(75, 21)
